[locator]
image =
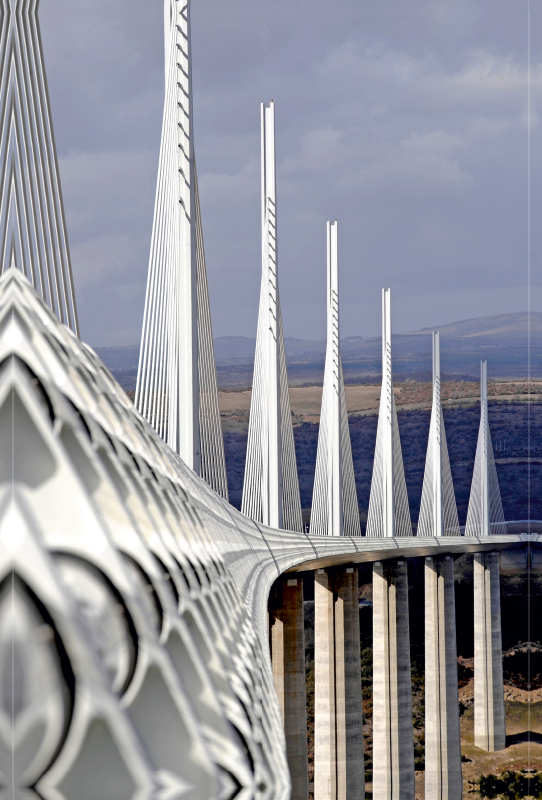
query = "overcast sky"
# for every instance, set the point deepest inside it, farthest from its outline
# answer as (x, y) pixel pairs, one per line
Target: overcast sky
(404, 119)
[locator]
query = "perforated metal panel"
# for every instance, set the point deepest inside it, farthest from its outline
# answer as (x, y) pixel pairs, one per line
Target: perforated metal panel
(134, 658)
(134, 668)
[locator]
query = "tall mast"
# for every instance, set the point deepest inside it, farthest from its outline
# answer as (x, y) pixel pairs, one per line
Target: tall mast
(485, 514)
(271, 488)
(176, 385)
(389, 513)
(438, 510)
(33, 234)
(334, 506)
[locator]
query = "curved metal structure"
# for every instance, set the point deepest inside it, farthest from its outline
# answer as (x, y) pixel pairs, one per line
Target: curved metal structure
(136, 593)
(134, 619)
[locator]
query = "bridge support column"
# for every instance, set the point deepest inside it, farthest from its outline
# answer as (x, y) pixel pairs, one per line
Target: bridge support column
(350, 763)
(443, 779)
(338, 725)
(287, 635)
(393, 741)
(325, 751)
(489, 714)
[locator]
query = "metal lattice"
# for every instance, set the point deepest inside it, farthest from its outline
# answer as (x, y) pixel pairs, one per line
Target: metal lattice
(133, 599)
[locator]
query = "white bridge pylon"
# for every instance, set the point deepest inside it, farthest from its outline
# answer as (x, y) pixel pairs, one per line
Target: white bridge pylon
(389, 513)
(485, 514)
(176, 383)
(438, 509)
(334, 501)
(33, 235)
(271, 487)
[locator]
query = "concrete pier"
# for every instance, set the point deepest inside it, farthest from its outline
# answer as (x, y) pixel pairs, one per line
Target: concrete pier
(393, 742)
(443, 780)
(350, 762)
(489, 714)
(325, 748)
(287, 635)
(338, 724)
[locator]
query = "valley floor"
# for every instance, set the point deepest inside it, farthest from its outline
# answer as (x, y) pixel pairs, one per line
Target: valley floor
(363, 399)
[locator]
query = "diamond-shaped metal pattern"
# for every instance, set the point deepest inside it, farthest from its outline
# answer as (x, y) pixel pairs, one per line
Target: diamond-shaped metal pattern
(133, 607)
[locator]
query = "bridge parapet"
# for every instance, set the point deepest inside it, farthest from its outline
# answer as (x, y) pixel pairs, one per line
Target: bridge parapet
(140, 594)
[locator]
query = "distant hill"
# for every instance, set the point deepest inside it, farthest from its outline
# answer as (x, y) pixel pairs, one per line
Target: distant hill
(501, 339)
(496, 326)
(119, 358)
(230, 350)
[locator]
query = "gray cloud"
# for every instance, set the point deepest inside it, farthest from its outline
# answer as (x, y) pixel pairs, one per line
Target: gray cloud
(405, 120)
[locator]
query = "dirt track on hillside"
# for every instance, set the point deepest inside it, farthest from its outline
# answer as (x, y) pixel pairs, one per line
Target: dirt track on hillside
(364, 399)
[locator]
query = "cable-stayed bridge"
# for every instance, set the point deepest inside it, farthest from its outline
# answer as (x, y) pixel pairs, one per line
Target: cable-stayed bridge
(151, 636)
